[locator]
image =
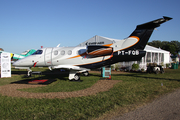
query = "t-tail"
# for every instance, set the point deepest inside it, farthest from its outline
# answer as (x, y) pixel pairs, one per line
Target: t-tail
(144, 31)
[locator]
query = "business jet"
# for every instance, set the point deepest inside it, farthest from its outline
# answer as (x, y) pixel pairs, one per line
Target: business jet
(94, 53)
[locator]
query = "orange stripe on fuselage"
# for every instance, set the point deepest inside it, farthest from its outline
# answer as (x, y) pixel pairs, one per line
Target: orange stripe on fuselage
(134, 43)
(135, 37)
(131, 45)
(108, 45)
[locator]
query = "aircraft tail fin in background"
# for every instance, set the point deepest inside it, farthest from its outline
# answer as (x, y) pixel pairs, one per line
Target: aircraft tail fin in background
(144, 31)
(30, 52)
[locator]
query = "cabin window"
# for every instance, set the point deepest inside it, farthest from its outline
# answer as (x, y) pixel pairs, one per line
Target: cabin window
(62, 52)
(69, 52)
(56, 52)
(38, 52)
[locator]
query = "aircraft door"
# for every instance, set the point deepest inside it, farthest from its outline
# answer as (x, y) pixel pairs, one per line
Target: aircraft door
(56, 55)
(48, 56)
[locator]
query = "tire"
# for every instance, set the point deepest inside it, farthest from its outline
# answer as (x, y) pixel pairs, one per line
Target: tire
(86, 73)
(157, 72)
(76, 77)
(162, 71)
(30, 74)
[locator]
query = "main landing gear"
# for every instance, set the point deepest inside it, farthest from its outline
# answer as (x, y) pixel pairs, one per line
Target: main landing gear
(73, 75)
(86, 73)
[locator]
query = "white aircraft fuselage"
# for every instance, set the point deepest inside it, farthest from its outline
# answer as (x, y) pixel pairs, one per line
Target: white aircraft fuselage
(93, 56)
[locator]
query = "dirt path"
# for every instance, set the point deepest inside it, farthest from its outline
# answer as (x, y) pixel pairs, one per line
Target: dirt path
(166, 107)
(100, 86)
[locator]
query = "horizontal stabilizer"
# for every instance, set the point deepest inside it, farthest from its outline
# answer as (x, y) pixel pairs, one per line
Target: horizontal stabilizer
(154, 23)
(144, 31)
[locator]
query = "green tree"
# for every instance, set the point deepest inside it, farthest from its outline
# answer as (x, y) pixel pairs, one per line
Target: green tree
(172, 46)
(177, 45)
(156, 43)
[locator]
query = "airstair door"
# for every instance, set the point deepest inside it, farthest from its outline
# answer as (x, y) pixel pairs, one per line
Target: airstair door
(48, 56)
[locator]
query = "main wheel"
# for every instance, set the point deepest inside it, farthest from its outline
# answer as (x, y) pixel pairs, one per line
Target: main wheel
(86, 73)
(76, 77)
(162, 71)
(157, 71)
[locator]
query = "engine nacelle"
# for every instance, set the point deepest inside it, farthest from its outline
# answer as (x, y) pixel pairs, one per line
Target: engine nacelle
(99, 50)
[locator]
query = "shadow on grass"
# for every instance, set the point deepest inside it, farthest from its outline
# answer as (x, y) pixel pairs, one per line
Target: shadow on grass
(34, 82)
(19, 72)
(47, 74)
(51, 76)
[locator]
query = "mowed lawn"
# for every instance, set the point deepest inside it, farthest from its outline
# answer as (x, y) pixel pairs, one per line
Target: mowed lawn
(135, 90)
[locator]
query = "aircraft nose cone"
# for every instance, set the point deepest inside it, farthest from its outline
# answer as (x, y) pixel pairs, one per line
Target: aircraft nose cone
(17, 63)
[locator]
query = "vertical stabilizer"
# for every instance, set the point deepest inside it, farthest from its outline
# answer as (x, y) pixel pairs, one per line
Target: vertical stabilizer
(144, 31)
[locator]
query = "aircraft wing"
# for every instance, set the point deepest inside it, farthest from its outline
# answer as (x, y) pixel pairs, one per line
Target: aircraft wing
(72, 67)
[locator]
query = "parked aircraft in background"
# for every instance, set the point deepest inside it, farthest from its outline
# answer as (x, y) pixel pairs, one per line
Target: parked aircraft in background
(94, 53)
(15, 57)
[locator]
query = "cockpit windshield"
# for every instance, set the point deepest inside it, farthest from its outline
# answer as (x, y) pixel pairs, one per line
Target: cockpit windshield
(38, 52)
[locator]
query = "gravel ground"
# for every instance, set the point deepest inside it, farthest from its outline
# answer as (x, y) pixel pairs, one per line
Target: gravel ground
(166, 107)
(11, 90)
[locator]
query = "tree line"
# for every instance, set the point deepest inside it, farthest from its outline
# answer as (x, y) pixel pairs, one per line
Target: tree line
(173, 46)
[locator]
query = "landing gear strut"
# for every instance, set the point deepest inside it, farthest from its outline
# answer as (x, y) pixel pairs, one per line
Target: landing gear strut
(73, 75)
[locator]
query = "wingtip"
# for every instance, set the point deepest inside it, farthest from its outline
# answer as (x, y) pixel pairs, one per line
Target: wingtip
(167, 18)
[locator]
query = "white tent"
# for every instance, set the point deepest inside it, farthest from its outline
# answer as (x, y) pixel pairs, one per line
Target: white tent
(155, 55)
(98, 40)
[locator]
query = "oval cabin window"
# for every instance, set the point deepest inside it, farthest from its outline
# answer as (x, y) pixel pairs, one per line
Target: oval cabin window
(62, 52)
(69, 52)
(56, 52)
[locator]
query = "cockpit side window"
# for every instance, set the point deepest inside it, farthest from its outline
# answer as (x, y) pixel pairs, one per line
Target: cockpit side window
(38, 52)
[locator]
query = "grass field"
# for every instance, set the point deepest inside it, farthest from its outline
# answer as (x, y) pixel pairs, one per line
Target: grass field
(135, 90)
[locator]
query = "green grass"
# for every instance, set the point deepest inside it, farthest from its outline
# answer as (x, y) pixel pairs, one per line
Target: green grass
(136, 88)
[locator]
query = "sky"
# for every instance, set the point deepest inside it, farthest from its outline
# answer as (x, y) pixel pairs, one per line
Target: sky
(30, 24)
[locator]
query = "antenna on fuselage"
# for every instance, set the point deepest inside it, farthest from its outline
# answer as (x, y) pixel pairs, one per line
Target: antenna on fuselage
(58, 45)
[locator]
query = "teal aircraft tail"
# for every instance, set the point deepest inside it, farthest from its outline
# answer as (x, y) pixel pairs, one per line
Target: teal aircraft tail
(15, 57)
